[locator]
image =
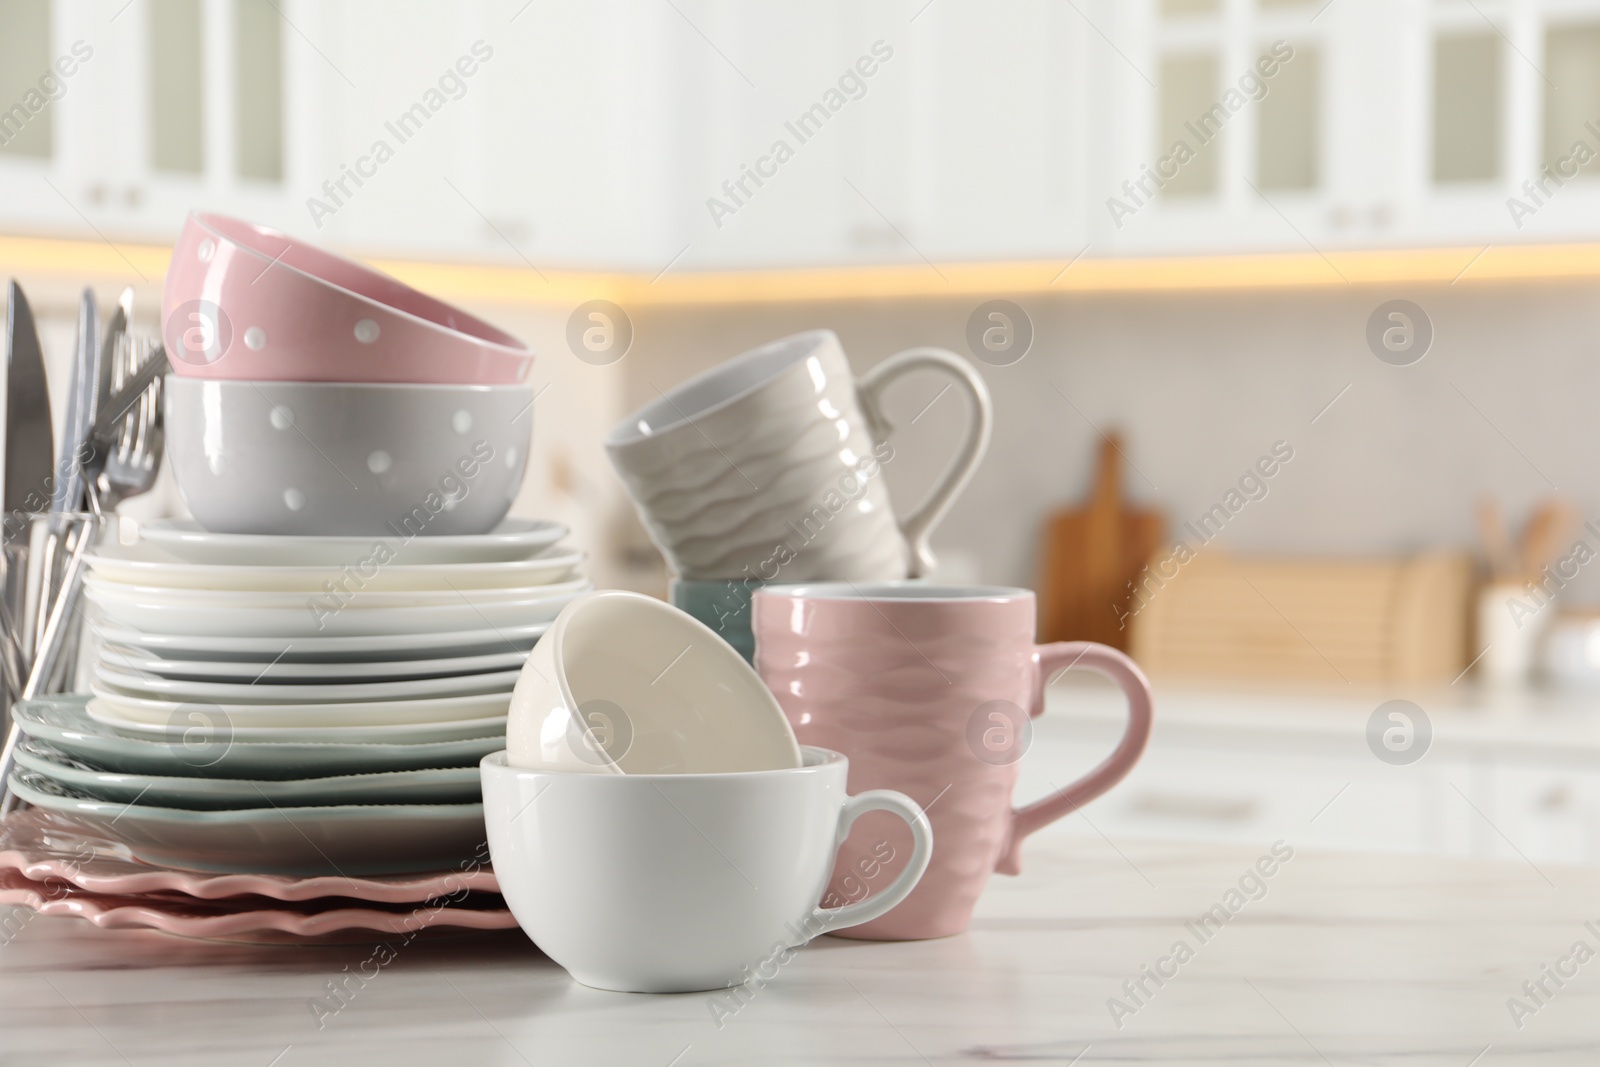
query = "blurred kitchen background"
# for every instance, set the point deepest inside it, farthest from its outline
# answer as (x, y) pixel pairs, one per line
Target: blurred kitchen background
(938, 156)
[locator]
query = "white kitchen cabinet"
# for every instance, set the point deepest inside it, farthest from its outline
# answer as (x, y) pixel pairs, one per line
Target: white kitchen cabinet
(1254, 796)
(621, 135)
(1397, 123)
(956, 136)
(1507, 775)
(170, 105)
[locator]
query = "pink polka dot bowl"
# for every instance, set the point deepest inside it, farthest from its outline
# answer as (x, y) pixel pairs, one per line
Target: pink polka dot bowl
(246, 302)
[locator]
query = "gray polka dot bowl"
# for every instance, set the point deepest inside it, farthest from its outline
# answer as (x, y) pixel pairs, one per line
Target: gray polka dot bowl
(244, 302)
(343, 458)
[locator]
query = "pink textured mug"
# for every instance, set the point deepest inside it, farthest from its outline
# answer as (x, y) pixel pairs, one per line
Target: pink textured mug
(929, 690)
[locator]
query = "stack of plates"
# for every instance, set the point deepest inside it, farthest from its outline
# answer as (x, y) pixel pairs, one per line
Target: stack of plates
(56, 867)
(295, 705)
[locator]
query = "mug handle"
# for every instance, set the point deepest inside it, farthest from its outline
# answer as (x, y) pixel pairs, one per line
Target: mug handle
(918, 526)
(825, 919)
(1050, 660)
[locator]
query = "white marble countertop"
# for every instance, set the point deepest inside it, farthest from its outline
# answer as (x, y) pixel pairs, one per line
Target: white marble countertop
(1342, 959)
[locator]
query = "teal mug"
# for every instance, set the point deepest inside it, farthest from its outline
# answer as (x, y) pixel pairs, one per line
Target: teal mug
(723, 605)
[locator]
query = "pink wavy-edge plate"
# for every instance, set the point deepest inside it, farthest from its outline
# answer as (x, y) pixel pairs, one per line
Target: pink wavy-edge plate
(42, 846)
(186, 918)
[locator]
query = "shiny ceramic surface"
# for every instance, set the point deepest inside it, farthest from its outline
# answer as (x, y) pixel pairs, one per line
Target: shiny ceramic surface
(243, 301)
(327, 839)
(43, 846)
(106, 676)
(304, 620)
(1571, 653)
(185, 539)
(931, 690)
(626, 684)
(212, 750)
(252, 921)
(723, 605)
(441, 785)
(770, 466)
(147, 566)
(436, 718)
(324, 602)
(397, 461)
(284, 674)
(298, 648)
(679, 882)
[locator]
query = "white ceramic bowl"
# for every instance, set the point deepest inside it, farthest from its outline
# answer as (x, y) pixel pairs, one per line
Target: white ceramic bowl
(387, 460)
(626, 684)
(1572, 651)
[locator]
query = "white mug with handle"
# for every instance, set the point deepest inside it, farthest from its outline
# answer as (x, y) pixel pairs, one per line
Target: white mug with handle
(770, 466)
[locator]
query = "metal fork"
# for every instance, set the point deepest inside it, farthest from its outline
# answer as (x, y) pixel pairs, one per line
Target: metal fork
(132, 464)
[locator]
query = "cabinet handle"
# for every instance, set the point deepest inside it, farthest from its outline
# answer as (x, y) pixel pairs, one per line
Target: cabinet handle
(1208, 809)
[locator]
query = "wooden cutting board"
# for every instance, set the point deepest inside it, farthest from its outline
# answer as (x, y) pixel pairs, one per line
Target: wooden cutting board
(1090, 554)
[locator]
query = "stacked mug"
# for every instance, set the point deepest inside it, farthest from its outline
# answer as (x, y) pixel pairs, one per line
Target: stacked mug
(761, 483)
(769, 468)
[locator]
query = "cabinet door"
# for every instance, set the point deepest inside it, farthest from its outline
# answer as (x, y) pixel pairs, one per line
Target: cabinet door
(589, 111)
(1224, 115)
(793, 133)
(1545, 815)
(58, 66)
(163, 107)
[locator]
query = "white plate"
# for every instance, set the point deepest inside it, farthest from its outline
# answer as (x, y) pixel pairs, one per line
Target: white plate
(177, 716)
(318, 604)
(203, 736)
(64, 722)
(286, 674)
(146, 565)
(439, 785)
(512, 539)
(216, 692)
(333, 839)
(298, 622)
(374, 649)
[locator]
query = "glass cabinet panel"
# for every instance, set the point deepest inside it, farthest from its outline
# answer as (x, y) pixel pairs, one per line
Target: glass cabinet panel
(176, 98)
(1466, 108)
(1291, 124)
(1180, 8)
(258, 90)
(1572, 63)
(26, 79)
(1188, 91)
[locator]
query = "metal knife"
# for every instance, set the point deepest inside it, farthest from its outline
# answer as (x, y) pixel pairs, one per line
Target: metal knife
(82, 383)
(29, 443)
